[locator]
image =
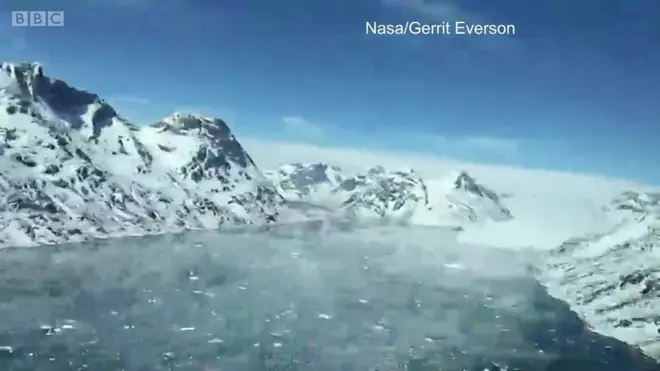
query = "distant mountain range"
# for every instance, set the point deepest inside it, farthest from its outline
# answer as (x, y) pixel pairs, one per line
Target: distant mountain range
(399, 195)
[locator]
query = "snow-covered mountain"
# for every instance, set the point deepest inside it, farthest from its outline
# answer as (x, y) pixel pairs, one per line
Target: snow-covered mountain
(385, 194)
(71, 168)
(400, 195)
(613, 279)
(300, 181)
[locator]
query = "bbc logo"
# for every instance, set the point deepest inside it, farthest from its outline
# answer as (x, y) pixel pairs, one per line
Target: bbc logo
(32, 18)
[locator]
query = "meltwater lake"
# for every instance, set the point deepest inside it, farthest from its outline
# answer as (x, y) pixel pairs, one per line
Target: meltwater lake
(386, 298)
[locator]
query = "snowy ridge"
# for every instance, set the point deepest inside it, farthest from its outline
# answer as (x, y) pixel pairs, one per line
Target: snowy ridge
(71, 168)
(379, 193)
(397, 195)
(303, 180)
(613, 279)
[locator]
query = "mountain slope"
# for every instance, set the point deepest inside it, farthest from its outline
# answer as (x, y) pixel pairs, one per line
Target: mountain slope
(613, 279)
(71, 168)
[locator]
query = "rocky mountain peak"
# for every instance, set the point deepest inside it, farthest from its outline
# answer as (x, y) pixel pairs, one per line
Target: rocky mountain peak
(218, 143)
(26, 76)
(181, 122)
(464, 182)
(52, 101)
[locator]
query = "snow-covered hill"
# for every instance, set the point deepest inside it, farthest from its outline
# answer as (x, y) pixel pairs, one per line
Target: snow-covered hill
(399, 195)
(612, 279)
(71, 168)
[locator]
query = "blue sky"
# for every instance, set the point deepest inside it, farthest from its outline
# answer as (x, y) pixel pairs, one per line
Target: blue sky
(577, 88)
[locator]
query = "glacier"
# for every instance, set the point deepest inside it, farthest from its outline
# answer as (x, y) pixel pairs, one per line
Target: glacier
(290, 298)
(76, 175)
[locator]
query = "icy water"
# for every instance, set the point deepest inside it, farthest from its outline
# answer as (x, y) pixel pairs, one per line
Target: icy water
(382, 299)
